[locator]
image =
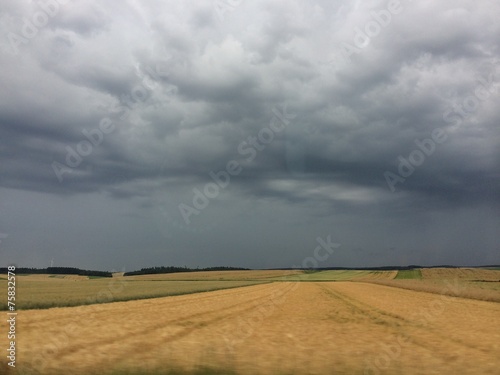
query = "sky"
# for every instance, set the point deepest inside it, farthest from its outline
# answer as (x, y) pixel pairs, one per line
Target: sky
(259, 134)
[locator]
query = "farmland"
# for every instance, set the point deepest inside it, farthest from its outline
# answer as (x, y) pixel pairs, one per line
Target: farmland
(344, 275)
(409, 274)
(275, 328)
(43, 291)
(221, 275)
(480, 284)
(260, 322)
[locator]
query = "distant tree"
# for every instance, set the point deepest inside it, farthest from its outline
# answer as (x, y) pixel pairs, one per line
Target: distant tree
(58, 271)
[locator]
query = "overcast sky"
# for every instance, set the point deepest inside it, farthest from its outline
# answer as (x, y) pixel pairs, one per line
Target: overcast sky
(247, 133)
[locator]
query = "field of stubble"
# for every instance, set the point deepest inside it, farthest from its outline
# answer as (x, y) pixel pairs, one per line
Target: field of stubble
(276, 328)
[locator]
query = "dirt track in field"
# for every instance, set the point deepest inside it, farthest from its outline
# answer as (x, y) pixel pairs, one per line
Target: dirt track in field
(279, 328)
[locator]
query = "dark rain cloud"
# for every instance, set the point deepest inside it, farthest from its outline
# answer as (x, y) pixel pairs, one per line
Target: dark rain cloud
(182, 86)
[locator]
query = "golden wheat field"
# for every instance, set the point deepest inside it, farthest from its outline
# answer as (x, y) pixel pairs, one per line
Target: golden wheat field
(461, 273)
(44, 291)
(220, 275)
(343, 327)
(474, 283)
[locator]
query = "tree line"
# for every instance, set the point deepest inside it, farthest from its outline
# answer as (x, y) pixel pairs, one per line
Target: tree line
(58, 271)
(173, 269)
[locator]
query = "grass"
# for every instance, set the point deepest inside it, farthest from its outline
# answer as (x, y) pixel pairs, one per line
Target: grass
(409, 274)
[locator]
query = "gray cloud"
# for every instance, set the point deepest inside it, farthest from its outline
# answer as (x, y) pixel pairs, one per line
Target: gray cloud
(170, 92)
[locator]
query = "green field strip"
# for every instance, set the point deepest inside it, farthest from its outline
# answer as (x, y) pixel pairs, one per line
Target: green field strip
(409, 274)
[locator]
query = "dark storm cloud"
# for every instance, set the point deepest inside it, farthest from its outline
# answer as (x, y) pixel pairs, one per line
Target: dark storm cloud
(349, 117)
(182, 86)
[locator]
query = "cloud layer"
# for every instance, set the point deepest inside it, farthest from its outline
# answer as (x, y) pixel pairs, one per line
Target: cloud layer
(392, 122)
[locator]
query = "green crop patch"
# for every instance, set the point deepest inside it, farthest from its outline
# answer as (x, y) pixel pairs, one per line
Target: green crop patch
(409, 274)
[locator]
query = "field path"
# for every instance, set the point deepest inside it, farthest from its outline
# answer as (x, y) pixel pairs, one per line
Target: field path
(279, 328)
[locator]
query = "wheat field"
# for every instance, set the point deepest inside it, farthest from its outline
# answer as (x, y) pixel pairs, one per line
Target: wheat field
(274, 328)
(221, 275)
(44, 291)
(474, 283)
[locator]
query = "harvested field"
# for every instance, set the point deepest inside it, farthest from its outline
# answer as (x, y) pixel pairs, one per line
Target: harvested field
(278, 328)
(270, 275)
(333, 275)
(482, 291)
(471, 283)
(343, 275)
(461, 273)
(219, 275)
(43, 291)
